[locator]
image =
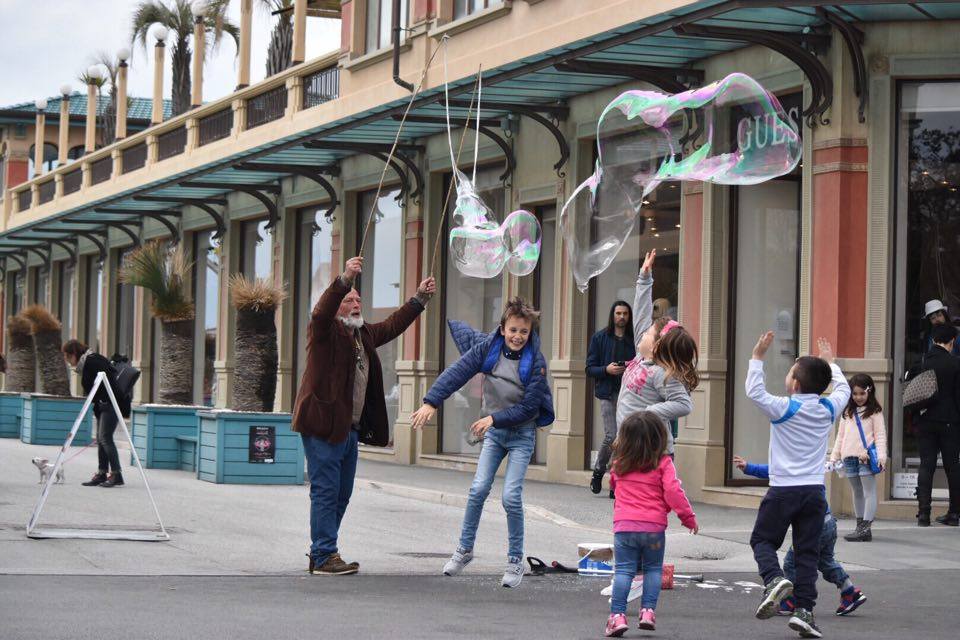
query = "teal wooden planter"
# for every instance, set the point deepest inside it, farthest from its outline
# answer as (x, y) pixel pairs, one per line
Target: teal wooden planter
(165, 436)
(11, 408)
(232, 441)
(48, 420)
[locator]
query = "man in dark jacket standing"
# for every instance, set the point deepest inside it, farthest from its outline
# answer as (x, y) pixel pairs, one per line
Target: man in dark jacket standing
(610, 349)
(939, 429)
(341, 403)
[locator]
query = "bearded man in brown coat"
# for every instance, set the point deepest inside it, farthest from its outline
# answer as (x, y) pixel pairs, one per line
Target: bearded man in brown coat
(341, 403)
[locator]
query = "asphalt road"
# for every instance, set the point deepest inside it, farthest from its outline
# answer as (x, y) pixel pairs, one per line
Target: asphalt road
(902, 604)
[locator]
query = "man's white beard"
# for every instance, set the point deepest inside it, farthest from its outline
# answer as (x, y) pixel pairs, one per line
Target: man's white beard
(351, 322)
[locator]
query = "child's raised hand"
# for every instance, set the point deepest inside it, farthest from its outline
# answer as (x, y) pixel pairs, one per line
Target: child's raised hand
(826, 351)
(422, 416)
(648, 262)
(739, 463)
(760, 349)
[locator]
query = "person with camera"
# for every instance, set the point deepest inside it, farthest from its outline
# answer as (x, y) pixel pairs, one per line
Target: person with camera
(610, 350)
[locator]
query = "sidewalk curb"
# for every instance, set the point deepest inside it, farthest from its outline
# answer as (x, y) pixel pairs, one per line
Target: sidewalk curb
(460, 500)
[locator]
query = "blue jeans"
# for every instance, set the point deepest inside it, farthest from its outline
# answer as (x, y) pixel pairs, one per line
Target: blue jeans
(831, 570)
(635, 552)
(331, 468)
(517, 446)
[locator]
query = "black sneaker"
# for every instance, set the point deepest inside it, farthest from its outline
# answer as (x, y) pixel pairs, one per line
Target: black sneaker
(97, 479)
(803, 623)
(113, 480)
(596, 482)
(949, 519)
(611, 494)
(774, 593)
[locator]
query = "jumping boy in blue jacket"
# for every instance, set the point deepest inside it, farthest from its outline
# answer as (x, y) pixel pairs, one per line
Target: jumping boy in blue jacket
(516, 400)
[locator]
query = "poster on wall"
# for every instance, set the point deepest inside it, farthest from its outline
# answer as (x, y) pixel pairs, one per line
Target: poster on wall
(263, 444)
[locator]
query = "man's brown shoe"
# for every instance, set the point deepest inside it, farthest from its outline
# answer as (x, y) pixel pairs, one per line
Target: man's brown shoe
(339, 557)
(334, 566)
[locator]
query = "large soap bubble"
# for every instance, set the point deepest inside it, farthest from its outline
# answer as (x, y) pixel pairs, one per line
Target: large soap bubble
(480, 247)
(729, 132)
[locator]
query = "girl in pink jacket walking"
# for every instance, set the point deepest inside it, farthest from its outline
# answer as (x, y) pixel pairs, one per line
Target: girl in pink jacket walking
(646, 489)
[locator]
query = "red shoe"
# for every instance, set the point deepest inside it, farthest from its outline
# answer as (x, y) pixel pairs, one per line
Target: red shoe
(648, 620)
(616, 625)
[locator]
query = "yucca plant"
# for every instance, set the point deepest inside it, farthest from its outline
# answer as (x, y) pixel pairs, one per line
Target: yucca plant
(164, 275)
(21, 359)
(47, 340)
(255, 343)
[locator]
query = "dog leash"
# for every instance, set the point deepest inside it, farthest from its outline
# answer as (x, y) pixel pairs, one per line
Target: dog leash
(78, 452)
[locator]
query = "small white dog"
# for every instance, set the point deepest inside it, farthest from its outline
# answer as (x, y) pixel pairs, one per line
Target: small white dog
(46, 467)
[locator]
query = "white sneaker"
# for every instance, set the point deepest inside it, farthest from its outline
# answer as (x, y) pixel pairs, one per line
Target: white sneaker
(513, 575)
(457, 562)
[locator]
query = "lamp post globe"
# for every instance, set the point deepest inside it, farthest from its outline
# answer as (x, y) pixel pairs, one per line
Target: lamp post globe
(160, 33)
(41, 104)
(66, 90)
(123, 54)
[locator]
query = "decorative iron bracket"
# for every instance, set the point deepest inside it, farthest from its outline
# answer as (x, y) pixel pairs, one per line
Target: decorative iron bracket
(258, 191)
(159, 216)
(71, 251)
(795, 47)
(483, 128)
(670, 80)
(854, 39)
(101, 246)
(44, 255)
(300, 170)
(204, 204)
(116, 224)
(375, 148)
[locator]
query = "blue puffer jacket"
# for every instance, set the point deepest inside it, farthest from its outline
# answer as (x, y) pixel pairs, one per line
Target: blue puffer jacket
(479, 353)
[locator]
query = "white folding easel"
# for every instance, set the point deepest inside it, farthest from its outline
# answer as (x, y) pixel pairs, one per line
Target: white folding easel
(33, 531)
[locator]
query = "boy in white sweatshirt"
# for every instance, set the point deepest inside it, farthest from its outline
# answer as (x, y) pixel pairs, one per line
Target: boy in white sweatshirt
(800, 426)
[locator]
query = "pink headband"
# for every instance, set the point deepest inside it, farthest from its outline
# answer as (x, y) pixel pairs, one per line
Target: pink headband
(673, 324)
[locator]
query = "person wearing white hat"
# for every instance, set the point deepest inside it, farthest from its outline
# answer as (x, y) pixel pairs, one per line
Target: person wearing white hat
(936, 314)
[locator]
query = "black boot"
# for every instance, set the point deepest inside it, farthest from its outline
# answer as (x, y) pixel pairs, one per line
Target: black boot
(98, 478)
(596, 482)
(855, 535)
(611, 494)
(113, 480)
(923, 519)
(867, 534)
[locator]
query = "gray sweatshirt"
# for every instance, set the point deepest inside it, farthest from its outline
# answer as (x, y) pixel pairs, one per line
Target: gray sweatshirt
(666, 397)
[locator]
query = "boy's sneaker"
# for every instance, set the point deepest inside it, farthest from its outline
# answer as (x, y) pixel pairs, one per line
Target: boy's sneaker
(596, 482)
(803, 623)
(648, 620)
(616, 625)
(774, 593)
(787, 607)
(850, 600)
(513, 574)
(457, 562)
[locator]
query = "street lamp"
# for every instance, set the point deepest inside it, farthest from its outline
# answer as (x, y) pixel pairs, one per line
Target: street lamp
(160, 35)
(199, 10)
(94, 75)
(123, 54)
(38, 138)
(64, 137)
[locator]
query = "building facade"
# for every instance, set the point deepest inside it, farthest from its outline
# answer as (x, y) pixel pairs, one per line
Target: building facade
(279, 179)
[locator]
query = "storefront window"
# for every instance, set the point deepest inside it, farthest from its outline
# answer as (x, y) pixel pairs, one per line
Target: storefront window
(928, 235)
(16, 292)
(764, 294)
(94, 302)
(125, 309)
(65, 277)
(41, 282)
(479, 303)
(658, 228)
(206, 295)
(314, 274)
(381, 284)
(257, 251)
(544, 284)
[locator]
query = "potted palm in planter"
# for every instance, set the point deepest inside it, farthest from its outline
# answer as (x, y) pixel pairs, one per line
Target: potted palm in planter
(250, 444)
(165, 432)
(49, 414)
(21, 375)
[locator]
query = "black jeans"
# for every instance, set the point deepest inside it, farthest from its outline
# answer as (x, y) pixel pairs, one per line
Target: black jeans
(803, 508)
(942, 438)
(106, 449)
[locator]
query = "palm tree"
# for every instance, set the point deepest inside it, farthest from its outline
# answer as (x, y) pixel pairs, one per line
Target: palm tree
(164, 274)
(177, 16)
(21, 360)
(106, 121)
(255, 343)
(280, 51)
(47, 340)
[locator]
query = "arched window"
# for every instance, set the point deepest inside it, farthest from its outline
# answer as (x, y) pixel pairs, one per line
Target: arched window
(75, 153)
(49, 159)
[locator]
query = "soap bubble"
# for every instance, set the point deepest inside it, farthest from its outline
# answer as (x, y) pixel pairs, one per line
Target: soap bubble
(481, 248)
(729, 132)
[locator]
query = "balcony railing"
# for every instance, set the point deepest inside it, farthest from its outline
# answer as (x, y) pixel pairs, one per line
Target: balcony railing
(134, 158)
(23, 200)
(47, 190)
(101, 170)
(266, 107)
(72, 181)
(171, 143)
(320, 87)
(215, 127)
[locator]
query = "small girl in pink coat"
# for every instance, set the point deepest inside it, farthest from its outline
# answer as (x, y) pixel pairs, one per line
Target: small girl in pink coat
(646, 489)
